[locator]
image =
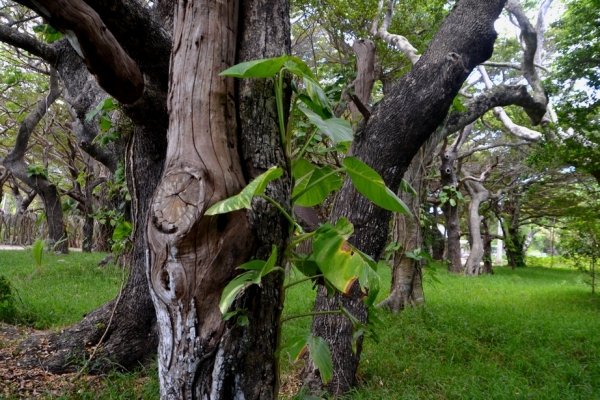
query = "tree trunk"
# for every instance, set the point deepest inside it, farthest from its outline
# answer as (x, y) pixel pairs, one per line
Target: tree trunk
(193, 256)
(478, 195)
(388, 141)
(487, 247)
(14, 162)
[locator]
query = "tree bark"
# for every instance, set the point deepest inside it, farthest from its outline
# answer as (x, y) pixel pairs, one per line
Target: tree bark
(193, 256)
(398, 127)
(478, 195)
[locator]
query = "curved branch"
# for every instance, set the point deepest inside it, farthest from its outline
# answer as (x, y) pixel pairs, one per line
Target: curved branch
(116, 72)
(17, 39)
(496, 96)
(398, 41)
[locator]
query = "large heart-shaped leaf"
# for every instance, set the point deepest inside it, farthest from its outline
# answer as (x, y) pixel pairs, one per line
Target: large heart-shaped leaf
(339, 262)
(244, 198)
(337, 129)
(297, 66)
(265, 68)
(313, 185)
(371, 185)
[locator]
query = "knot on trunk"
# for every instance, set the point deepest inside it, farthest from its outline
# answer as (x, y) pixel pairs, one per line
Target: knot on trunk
(178, 203)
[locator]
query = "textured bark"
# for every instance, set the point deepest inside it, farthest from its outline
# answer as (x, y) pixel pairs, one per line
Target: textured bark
(478, 195)
(193, 256)
(116, 72)
(487, 247)
(398, 127)
(448, 178)
(364, 49)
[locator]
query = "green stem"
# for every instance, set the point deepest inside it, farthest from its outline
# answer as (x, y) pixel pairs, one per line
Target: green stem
(310, 314)
(299, 156)
(306, 189)
(288, 131)
(300, 239)
(286, 287)
(280, 116)
(285, 214)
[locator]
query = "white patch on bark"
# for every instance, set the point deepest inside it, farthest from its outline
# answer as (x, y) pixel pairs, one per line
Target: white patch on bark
(217, 376)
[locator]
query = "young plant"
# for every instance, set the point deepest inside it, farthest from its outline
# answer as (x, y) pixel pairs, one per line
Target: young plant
(333, 261)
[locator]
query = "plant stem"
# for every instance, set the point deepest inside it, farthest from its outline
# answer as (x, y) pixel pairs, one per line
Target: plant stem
(306, 189)
(300, 239)
(310, 314)
(285, 214)
(289, 285)
(299, 156)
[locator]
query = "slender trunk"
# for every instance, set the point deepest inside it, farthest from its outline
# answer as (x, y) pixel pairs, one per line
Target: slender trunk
(388, 141)
(478, 194)
(487, 247)
(453, 237)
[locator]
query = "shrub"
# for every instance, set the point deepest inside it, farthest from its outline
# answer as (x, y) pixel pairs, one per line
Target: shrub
(8, 307)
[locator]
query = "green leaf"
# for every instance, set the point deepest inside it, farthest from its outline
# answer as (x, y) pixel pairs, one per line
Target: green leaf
(297, 66)
(306, 265)
(316, 183)
(457, 105)
(122, 231)
(38, 251)
(265, 68)
(295, 347)
(244, 198)
(105, 123)
(340, 263)
(321, 355)
(320, 111)
(242, 320)
(316, 93)
(405, 187)
(234, 287)
(337, 129)
(453, 202)
(371, 185)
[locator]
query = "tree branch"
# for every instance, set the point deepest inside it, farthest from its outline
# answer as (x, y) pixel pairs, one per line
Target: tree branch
(116, 72)
(398, 41)
(17, 39)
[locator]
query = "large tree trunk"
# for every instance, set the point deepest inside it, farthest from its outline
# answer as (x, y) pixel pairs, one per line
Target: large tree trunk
(397, 128)
(193, 256)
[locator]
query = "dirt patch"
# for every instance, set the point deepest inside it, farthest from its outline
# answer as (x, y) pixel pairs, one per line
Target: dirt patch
(28, 383)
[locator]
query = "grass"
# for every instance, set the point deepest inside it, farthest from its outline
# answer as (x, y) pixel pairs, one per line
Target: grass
(62, 291)
(529, 333)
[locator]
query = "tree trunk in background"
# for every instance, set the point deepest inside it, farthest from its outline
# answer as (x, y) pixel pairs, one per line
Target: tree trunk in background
(388, 141)
(487, 247)
(448, 178)
(513, 239)
(478, 195)
(193, 256)
(406, 288)
(14, 161)
(364, 49)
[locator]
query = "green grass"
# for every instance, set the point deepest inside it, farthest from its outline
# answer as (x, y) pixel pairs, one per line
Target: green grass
(63, 290)
(529, 333)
